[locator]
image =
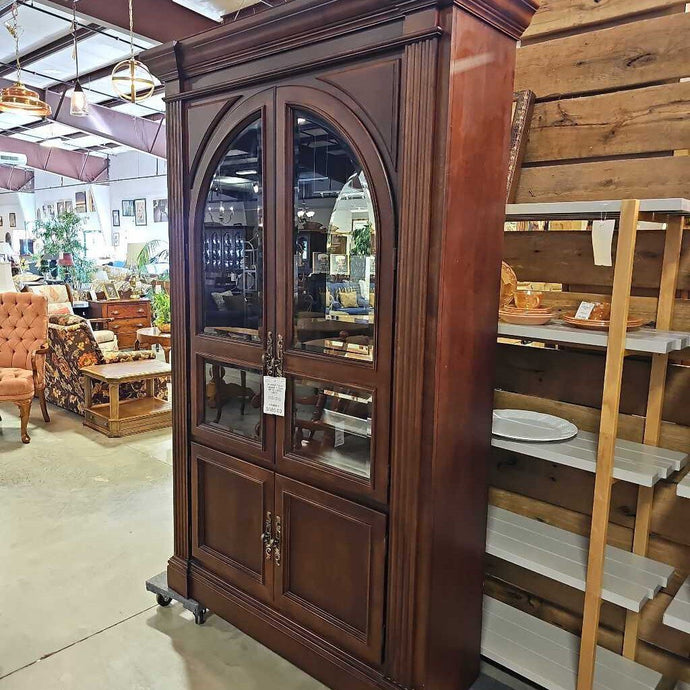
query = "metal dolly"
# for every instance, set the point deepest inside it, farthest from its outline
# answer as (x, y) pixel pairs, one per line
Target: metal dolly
(158, 584)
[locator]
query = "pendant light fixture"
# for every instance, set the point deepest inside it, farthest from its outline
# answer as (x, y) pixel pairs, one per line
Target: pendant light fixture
(131, 79)
(79, 105)
(17, 98)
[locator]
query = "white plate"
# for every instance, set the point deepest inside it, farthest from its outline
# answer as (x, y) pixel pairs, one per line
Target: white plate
(525, 425)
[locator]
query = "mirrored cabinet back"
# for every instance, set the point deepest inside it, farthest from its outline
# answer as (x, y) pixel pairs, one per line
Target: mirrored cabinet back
(337, 187)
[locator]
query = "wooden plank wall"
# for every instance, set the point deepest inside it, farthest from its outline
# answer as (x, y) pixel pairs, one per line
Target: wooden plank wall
(611, 121)
(611, 109)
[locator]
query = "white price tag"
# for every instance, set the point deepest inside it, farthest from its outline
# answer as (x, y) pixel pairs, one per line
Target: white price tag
(602, 241)
(274, 395)
(584, 311)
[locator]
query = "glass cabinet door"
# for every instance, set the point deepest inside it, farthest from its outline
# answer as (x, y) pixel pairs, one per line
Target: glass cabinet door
(335, 303)
(233, 241)
(232, 314)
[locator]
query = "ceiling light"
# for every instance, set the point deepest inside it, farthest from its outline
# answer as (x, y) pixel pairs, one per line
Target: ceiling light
(51, 143)
(301, 120)
(246, 172)
(79, 105)
(17, 98)
(131, 79)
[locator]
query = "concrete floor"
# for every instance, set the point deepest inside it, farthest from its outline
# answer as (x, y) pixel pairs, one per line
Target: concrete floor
(84, 521)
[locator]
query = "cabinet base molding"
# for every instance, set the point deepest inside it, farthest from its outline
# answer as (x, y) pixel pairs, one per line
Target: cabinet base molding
(313, 655)
(177, 575)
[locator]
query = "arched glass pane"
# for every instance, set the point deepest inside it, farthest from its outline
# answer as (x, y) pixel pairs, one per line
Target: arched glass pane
(334, 245)
(233, 241)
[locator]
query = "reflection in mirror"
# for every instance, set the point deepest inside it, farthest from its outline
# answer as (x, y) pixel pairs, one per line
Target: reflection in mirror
(332, 425)
(334, 239)
(233, 241)
(232, 399)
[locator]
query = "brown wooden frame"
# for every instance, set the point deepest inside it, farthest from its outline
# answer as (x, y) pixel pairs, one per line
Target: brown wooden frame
(445, 164)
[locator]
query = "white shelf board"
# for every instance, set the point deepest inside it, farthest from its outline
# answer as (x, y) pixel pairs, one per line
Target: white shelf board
(633, 462)
(548, 656)
(677, 615)
(683, 487)
(596, 210)
(629, 580)
(642, 340)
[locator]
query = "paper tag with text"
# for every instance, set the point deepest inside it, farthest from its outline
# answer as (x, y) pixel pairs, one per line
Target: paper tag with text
(584, 311)
(274, 395)
(602, 241)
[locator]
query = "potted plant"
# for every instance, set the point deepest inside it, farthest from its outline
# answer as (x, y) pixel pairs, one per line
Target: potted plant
(64, 236)
(161, 311)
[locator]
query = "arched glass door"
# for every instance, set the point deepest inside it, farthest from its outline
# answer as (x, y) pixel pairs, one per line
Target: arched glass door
(335, 301)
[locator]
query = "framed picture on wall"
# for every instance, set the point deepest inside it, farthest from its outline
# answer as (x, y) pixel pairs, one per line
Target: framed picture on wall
(127, 208)
(116, 239)
(116, 218)
(68, 206)
(91, 204)
(140, 212)
(160, 210)
(319, 262)
(339, 264)
(13, 220)
(80, 202)
(60, 207)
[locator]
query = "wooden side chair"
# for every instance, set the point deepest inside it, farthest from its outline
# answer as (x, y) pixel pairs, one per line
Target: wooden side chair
(23, 346)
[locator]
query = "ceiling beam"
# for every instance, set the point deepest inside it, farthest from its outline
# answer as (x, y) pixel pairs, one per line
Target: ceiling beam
(48, 49)
(78, 166)
(16, 179)
(159, 20)
(138, 133)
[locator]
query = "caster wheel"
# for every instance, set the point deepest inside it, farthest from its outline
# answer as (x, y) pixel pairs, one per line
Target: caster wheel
(200, 618)
(162, 600)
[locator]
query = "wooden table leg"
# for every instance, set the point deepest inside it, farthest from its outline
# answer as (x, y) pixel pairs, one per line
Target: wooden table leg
(87, 392)
(114, 391)
(150, 388)
(166, 352)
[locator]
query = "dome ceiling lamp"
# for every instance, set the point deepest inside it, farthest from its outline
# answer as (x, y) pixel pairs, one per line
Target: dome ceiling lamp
(79, 105)
(131, 79)
(17, 98)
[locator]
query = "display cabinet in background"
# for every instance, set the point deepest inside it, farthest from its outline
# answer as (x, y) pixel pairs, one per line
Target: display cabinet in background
(337, 185)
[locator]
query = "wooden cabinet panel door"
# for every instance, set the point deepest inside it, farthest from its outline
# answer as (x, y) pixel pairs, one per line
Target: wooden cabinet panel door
(232, 507)
(329, 569)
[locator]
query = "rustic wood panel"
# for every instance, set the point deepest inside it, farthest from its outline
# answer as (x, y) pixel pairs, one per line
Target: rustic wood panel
(651, 119)
(638, 178)
(566, 256)
(555, 16)
(648, 655)
(643, 52)
(575, 376)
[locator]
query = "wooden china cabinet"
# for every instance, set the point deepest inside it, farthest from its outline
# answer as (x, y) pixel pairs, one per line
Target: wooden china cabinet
(359, 148)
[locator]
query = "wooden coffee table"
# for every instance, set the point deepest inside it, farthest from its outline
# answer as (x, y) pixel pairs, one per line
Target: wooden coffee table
(153, 336)
(123, 418)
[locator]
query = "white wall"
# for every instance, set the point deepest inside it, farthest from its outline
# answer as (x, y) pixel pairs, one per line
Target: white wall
(132, 176)
(21, 204)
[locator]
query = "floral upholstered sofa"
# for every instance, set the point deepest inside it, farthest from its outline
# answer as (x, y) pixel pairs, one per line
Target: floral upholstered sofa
(72, 346)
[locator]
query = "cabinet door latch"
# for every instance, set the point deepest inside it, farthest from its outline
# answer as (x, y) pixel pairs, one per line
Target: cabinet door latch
(267, 536)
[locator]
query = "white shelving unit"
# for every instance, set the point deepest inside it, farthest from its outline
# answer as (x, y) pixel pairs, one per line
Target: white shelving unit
(633, 462)
(677, 615)
(548, 656)
(683, 487)
(629, 580)
(574, 210)
(643, 340)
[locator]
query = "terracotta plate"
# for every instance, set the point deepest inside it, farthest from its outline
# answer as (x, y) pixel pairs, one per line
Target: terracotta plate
(508, 284)
(593, 325)
(523, 319)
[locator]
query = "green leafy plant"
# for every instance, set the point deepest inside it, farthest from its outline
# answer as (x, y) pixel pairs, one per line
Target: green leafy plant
(64, 235)
(161, 308)
(153, 249)
(361, 240)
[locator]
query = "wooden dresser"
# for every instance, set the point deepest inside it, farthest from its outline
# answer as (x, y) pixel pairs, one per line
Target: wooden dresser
(128, 315)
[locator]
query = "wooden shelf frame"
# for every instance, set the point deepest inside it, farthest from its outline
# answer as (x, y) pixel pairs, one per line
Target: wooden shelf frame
(609, 466)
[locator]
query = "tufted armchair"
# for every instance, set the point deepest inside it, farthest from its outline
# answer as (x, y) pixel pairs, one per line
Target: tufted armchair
(23, 346)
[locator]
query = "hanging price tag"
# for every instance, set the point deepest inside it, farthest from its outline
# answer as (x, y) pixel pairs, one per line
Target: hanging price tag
(274, 395)
(602, 241)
